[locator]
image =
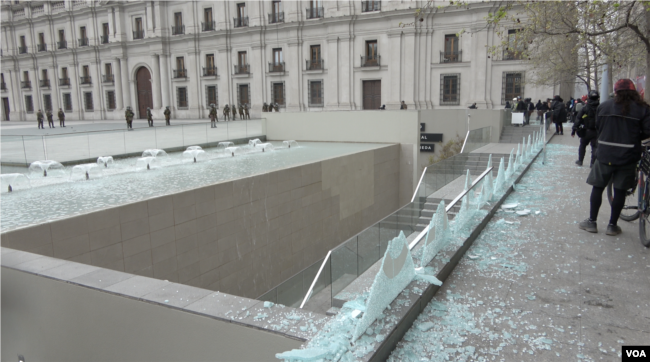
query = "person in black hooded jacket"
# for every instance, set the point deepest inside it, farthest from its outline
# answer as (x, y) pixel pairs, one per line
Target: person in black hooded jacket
(559, 114)
(621, 124)
(585, 127)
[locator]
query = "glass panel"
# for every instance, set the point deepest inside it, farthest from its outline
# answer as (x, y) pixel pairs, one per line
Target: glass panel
(106, 143)
(290, 293)
(138, 140)
(368, 244)
(63, 148)
(344, 266)
(476, 139)
(34, 148)
(194, 134)
(167, 137)
(13, 151)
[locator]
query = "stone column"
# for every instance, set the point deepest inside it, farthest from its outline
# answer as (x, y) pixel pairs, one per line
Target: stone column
(126, 90)
(331, 82)
(395, 70)
(98, 105)
(345, 79)
(164, 81)
(155, 81)
(119, 103)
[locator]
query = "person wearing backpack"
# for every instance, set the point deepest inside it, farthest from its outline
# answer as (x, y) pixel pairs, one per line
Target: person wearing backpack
(585, 127)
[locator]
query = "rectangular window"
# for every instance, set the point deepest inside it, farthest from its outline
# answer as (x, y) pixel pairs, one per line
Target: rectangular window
(180, 67)
(315, 52)
(85, 70)
(241, 59)
(370, 6)
(178, 27)
(47, 102)
(88, 101)
(105, 30)
(278, 63)
(138, 24)
(110, 100)
(44, 74)
(22, 41)
(41, 42)
(372, 56)
(449, 89)
(315, 62)
(138, 33)
(512, 86)
(29, 104)
(207, 15)
(61, 35)
(64, 73)
(209, 69)
(26, 76)
(23, 46)
(277, 93)
(276, 15)
(244, 94)
(211, 96)
(452, 50)
(82, 32)
(67, 102)
(515, 49)
(108, 68)
(315, 93)
(241, 11)
(181, 97)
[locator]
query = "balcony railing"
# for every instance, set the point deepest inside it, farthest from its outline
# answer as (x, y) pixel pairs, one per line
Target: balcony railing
(315, 64)
(64, 81)
(178, 30)
(208, 71)
(276, 67)
(108, 78)
(62, 44)
(451, 57)
(512, 55)
(371, 61)
(242, 69)
(22, 50)
(313, 13)
(276, 18)
(45, 83)
(3, 86)
(26, 84)
(138, 34)
(208, 26)
(180, 73)
(83, 42)
(85, 80)
(42, 47)
(104, 39)
(367, 6)
(240, 22)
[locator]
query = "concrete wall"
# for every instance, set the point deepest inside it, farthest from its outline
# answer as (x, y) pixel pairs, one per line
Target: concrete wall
(453, 122)
(356, 126)
(49, 320)
(241, 237)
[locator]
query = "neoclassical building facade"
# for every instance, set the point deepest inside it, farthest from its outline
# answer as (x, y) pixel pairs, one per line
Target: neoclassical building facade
(94, 58)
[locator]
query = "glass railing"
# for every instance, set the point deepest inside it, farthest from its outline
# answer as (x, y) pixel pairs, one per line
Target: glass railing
(23, 150)
(476, 139)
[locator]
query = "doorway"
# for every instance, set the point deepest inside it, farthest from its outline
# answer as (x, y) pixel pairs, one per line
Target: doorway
(143, 84)
(371, 94)
(5, 108)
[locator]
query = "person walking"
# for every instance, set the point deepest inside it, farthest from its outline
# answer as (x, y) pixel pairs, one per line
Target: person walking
(213, 116)
(621, 124)
(403, 106)
(61, 118)
(558, 112)
(39, 119)
(128, 114)
(168, 115)
(246, 111)
(149, 117)
(585, 127)
(50, 118)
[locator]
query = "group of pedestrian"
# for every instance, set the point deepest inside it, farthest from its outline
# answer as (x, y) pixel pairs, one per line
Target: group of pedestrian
(50, 118)
(525, 106)
(270, 107)
(243, 112)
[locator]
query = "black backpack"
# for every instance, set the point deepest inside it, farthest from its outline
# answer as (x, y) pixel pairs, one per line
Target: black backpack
(590, 120)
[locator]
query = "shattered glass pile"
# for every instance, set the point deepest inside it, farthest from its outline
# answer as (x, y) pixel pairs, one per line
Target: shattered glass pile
(365, 321)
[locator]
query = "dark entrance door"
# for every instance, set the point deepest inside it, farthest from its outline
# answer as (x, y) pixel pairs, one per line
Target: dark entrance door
(371, 94)
(5, 109)
(143, 81)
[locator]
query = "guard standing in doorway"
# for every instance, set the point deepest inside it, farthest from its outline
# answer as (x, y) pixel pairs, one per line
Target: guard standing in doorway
(61, 118)
(50, 119)
(168, 114)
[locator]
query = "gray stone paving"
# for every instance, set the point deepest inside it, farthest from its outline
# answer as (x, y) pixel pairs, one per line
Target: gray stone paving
(542, 279)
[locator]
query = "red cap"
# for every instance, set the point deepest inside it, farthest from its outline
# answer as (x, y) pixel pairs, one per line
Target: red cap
(624, 84)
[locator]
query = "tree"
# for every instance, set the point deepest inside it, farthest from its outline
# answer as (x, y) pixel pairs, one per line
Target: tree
(567, 41)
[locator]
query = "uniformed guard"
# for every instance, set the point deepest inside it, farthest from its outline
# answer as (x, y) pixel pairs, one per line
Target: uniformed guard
(149, 117)
(50, 119)
(246, 111)
(39, 118)
(277, 107)
(213, 116)
(61, 118)
(168, 115)
(128, 114)
(265, 107)
(226, 113)
(234, 112)
(241, 111)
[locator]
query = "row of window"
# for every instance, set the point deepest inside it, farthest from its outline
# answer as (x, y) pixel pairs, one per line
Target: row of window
(85, 78)
(67, 102)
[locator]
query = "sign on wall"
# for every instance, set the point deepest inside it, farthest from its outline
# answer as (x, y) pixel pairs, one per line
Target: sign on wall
(427, 147)
(430, 137)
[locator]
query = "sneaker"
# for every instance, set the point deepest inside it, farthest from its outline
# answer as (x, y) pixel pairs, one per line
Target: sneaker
(579, 163)
(590, 225)
(613, 230)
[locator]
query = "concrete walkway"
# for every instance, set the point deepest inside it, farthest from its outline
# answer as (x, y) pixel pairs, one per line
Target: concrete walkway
(538, 288)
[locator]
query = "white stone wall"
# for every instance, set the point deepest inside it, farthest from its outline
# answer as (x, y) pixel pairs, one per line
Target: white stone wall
(410, 56)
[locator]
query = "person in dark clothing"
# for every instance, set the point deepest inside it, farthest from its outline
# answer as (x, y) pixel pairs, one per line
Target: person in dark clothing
(39, 119)
(61, 118)
(521, 106)
(403, 106)
(246, 113)
(168, 115)
(507, 105)
(50, 119)
(558, 112)
(473, 106)
(383, 107)
(530, 107)
(149, 117)
(128, 115)
(621, 124)
(213, 116)
(538, 108)
(585, 127)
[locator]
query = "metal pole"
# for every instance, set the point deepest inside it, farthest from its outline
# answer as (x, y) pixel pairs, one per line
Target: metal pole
(544, 141)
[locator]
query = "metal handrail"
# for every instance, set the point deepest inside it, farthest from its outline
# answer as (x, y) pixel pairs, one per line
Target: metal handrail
(451, 204)
(419, 182)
